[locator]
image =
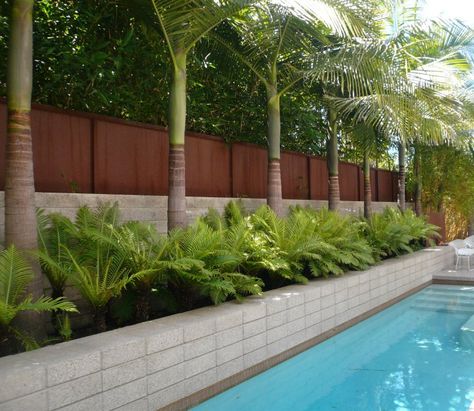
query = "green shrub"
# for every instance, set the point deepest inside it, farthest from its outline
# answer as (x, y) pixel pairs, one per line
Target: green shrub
(392, 232)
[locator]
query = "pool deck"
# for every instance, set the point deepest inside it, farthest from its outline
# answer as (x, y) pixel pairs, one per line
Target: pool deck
(452, 276)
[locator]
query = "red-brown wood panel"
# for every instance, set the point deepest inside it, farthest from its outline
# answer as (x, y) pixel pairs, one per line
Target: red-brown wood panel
(438, 218)
(395, 188)
(61, 152)
(318, 178)
(208, 167)
(374, 184)
(130, 160)
(3, 140)
(249, 170)
(294, 176)
(349, 181)
(385, 188)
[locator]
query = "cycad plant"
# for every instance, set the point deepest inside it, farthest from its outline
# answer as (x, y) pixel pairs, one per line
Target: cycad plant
(393, 232)
(15, 275)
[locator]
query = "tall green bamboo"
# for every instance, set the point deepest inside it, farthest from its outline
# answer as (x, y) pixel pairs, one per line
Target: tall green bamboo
(20, 210)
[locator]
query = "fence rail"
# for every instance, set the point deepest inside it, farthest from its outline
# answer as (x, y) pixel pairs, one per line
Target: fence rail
(89, 153)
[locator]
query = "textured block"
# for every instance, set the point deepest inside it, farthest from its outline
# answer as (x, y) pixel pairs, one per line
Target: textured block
(253, 309)
(313, 319)
(254, 343)
(36, 402)
(165, 378)
(123, 350)
(167, 396)
(296, 326)
(255, 357)
(230, 368)
(328, 301)
(277, 333)
(200, 381)
(276, 320)
(19, 378)
(255, 327)
(165, 359)
(230, 352)
(199, 347)
(296, 312)
(312, 306)
(93, 403)
(200, 364)
(124, 373)
(230, 336)
(139, 405)
(74, 391)
(124, 394)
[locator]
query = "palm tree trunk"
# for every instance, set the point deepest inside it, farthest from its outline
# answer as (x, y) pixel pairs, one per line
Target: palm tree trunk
(418, 188)
(333, 163)
(20, 210)
(177, 127)
(367, 187)
(100, 319)
(274, 192)
(401, 175)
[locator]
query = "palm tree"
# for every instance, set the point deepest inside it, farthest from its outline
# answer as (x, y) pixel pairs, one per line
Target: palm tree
(276, 43)
(20, 213)
(182, 23)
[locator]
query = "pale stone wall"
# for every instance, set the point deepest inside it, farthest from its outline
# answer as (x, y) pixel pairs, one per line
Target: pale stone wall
(153, 209)
(150, 365)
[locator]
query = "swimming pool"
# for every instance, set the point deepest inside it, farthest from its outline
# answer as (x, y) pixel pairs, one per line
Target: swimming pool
(412, 356)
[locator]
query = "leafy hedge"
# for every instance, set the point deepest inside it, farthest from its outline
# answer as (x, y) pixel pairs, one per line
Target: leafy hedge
(129, 273)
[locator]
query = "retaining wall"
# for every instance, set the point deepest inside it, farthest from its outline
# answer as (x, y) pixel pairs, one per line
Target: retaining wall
(151, 365)
(153, 209)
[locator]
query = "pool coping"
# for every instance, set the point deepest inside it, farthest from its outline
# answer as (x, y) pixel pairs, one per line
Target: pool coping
(198, 397)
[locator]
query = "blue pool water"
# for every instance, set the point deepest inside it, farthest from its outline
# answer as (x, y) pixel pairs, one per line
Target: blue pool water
(408, 357)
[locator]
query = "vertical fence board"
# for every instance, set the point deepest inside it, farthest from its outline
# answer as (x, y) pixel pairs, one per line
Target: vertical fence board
(249, 170)
(349, 181)
(130, 160)
(318, 181)
(384, 185)
(208, 171)
(61, 152)
(294, 176)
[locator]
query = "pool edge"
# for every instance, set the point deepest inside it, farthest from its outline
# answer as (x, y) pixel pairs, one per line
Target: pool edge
(223, 385)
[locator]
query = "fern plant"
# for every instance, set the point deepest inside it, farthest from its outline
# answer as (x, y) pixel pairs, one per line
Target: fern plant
(393, 232)
(15, 274)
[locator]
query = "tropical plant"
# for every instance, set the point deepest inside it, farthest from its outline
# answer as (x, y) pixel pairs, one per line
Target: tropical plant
(393, 232)
(276, 43)
(168, 18)
(20, 213)
(212, 268)
(15, 275)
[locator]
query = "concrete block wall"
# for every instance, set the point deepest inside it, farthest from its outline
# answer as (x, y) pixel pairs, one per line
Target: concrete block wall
(153, 209)
(151, 365)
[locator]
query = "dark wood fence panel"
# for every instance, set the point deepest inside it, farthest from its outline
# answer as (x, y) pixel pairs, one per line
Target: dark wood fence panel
(208, 167)
(85, 152)
(318, 179)
(438, 218)
(62, 152)
(130, 160)
(249, 171)
(373, 184)
(349, 181)
(294, 175)
(385, 185)
(3, 140)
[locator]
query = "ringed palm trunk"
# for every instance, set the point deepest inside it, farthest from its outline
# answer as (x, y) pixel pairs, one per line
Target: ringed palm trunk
(177, 126)
(20, 210)
(418, 187)
(367, 187)
(333, 163)
(401, 175)
(274, 191)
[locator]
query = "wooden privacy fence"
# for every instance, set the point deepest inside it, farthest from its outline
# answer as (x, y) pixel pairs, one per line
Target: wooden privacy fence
(89, 153)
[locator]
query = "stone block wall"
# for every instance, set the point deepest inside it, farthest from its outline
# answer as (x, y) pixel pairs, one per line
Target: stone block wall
(153, 209)
(151, 365)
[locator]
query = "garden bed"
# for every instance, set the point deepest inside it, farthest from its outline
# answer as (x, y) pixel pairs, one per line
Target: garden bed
(153, 364)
